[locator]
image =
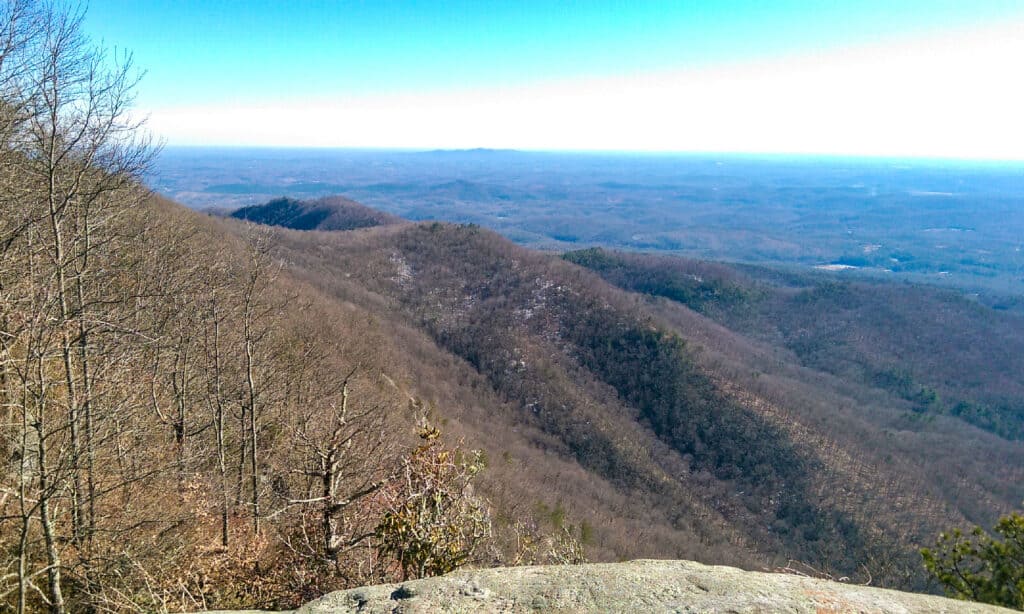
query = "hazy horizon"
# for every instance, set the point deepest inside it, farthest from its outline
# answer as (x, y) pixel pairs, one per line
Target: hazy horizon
(767, 156)
(909, 79)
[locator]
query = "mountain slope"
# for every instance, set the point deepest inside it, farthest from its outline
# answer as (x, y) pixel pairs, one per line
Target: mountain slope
(931, 347)
(182, 418)
(726, 448)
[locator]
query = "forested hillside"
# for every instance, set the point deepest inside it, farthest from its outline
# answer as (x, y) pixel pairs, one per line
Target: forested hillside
(183, 423)
(705, 432)
(935, 348)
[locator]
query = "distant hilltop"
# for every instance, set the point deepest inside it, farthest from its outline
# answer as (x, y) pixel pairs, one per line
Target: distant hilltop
(475, 150)
(330, 213)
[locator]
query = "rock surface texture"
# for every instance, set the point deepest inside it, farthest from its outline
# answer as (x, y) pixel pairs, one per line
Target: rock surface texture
(637, 586)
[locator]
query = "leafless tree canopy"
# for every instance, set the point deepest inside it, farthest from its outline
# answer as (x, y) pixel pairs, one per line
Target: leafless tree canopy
(180, 426)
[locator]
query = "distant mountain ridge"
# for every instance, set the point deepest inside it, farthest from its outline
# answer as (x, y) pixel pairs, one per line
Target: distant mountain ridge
(328, 213)
(471, 151)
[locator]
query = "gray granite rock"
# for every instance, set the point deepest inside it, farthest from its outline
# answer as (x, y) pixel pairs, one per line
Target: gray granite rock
(637, 586)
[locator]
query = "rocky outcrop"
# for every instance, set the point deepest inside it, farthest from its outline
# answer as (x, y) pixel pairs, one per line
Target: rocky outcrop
(637, 586)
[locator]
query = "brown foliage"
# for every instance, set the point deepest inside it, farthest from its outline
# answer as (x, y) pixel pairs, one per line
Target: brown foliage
(177, 429)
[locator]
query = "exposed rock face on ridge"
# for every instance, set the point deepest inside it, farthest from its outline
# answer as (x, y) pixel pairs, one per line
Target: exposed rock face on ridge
(637, 586)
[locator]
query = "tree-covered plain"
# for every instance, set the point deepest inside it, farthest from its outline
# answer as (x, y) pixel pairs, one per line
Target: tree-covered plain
(944, 222)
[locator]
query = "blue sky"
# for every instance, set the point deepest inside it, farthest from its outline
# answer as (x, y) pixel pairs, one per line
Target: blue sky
(500, 74)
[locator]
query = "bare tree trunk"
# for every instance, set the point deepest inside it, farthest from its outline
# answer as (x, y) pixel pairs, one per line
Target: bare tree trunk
(327, 515)
(330, 485)
(66, 347)
(26, 520)
(52, 556)
(87, 405)
(250, 337)
(25, 508)
(179, 382)
(253, 450)
(219, 425)
(45, 520)
(243, 433)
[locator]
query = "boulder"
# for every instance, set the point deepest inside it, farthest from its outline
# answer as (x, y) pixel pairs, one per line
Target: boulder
(636, 586)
